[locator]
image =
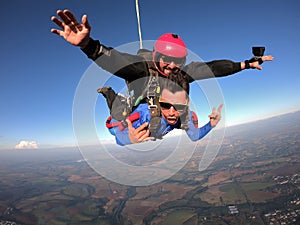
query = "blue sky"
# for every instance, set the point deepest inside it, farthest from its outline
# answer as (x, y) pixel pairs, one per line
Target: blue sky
(40, 71)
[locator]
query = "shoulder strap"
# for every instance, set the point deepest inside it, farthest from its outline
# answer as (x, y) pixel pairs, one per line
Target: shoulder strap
(184, 118)
(195, 119)
(152, 93)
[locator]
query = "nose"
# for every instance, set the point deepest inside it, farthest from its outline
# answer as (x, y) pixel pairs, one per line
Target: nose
(172, 65)
(172, 110)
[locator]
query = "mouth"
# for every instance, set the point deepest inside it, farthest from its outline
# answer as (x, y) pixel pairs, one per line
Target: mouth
(171, 120)
(170, 71)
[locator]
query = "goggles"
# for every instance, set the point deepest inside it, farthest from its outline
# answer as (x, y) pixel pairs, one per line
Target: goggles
(177, 61)
(178, 107)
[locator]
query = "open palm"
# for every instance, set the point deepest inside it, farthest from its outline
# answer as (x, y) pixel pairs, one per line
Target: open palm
(75, 33)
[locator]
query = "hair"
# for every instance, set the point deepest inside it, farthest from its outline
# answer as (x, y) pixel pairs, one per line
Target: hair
(181, 80)
(174, 84)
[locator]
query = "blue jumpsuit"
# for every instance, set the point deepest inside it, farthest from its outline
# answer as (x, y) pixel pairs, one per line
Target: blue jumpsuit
(194, 133)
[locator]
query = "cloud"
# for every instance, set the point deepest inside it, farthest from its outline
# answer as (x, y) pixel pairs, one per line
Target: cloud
(26, 145)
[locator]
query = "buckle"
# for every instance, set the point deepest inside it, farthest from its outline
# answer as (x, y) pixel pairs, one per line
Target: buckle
(152, 106)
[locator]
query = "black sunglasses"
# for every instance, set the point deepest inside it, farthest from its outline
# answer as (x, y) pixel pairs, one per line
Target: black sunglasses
(177, 107)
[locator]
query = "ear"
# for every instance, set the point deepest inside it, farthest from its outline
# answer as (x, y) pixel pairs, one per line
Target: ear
(187, 99)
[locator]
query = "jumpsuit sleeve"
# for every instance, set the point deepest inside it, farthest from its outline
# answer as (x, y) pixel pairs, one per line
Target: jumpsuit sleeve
(127, 66)
(122, 137)
(196, 134)
(216, 68)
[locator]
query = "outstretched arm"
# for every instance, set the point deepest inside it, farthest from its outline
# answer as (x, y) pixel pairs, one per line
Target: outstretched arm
(256, 64)
(196, 134)
(127, 66)
(72, 31)
(220, 68)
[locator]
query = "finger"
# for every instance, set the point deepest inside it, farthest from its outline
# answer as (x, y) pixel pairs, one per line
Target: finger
(267, 58)
(73, 19)
(149, 139)
(64, 17)
(129, 125)
(85, 22)
(220, 108)
(72, 27)
(141, 135)
(142, 127)
(136, 136)
(57, 22)
(145, 134)
(70, 20)
(214, 110)
(136, 133)
(55, 31)
(70, 15)
(67, 21)
(131, 129)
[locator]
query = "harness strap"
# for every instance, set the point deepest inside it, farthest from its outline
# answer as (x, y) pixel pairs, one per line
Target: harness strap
(195, 119)
(155, 119)
(153, 89)
(121, 124)
(111, 125)
(153, 92)
(154, 127)
(185, 119)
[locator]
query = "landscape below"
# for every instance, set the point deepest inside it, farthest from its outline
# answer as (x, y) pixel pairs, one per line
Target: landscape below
(254, 179)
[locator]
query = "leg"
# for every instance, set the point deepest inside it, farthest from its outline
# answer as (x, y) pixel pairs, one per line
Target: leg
(109, 95)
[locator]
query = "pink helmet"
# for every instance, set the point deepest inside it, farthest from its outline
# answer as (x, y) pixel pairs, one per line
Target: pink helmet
(170, 45)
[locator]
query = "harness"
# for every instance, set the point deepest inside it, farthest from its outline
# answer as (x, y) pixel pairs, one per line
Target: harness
(135, 116)
(121, 124)
(151, 93)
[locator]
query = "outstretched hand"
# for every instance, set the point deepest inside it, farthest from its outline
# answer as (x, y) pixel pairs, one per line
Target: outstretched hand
(215, 116)
(140, 134)
(256, 65)
(72, 31)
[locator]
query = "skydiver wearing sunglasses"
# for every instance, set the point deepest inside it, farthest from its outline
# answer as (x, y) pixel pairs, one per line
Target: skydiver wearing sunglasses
(173, 104)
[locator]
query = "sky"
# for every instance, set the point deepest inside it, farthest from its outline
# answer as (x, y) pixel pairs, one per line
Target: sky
(40, 71)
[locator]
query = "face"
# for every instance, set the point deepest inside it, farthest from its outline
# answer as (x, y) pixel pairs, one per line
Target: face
(169, 65)
(172, 105)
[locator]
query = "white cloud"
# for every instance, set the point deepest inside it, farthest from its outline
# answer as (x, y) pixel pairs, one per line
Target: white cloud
(26, 145)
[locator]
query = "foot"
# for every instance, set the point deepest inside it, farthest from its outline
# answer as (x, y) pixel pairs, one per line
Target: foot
(103, 89)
